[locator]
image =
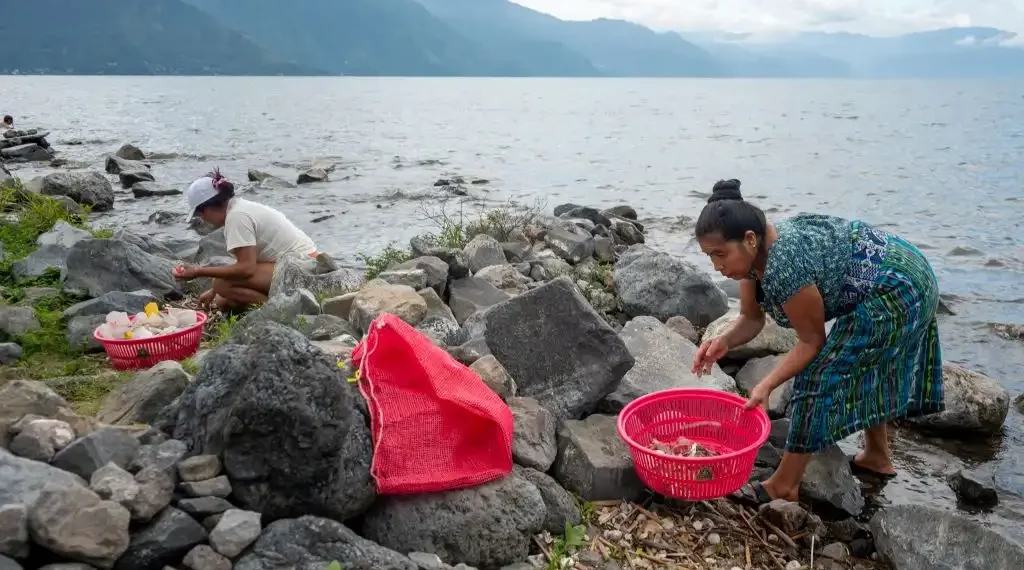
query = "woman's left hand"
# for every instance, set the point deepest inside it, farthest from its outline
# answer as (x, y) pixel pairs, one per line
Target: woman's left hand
(759, 396)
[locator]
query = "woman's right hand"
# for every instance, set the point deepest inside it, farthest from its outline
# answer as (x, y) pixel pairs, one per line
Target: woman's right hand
(710, 352)
(206, 299)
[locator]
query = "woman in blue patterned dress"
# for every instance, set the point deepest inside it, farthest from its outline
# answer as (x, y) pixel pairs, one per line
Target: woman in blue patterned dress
(880, 362)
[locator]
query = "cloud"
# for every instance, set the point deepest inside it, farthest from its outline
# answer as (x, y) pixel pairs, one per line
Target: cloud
(880, 17)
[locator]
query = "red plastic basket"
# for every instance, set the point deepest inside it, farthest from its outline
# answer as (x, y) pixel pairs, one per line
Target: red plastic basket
(715, 420)
(128, 354)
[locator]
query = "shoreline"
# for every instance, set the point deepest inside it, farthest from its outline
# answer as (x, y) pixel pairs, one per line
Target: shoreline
(445, 285)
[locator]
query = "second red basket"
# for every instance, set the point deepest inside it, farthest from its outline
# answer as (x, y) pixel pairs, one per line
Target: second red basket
(716, 420)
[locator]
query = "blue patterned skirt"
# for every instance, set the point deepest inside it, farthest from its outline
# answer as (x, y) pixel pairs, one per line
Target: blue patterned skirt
(881, 360)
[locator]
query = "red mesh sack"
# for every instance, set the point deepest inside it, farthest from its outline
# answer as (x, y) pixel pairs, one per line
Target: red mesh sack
(436, 426)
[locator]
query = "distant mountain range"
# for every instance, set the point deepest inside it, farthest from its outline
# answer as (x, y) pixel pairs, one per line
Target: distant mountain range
(453, 38)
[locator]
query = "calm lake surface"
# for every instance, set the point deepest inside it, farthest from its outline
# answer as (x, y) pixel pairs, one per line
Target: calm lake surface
(938, 162)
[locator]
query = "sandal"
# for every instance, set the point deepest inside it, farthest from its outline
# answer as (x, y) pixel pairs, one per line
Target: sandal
(861, 471)
(752, 494)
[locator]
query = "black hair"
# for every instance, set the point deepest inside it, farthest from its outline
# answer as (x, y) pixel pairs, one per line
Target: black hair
(728, 215)
(225, 190)
(8, 119)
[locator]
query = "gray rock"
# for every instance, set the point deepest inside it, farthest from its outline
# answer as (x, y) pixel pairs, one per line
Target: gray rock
(21, 480)
(828, 479)
(975, 487)
(627, 232)
(156, 489)
(99, 266)
(483, 251)
(439, 323)
(28, 152)
(469, 295)
(235, 531)
(290, 432)
(426, 246)
(14, 540)
(487, 526)
(292, 273)
(754, 371)
(40, 438)
(546, 269)
(162, 456)
(112, 483)
(657, 284)
(534, 442)
(215, 487)
(325, 327)
(561, 505)
(75, 523)
(141, 400)
(569, 246)
(131, 303)
(495, 376)
(117, 164)
(470, 351)
(773, 339)
(81, 336)
(88, 188)
(415, 278)
(916, 537)
(106, 445)
(683, 328)
(313, 543)
(594, 462)
(505, 277)
(399, 300)
(427, 561)
(148, 189)
(586, 213)
(289, 309)
(131, 178)
(203, 557)
(975, 404)
(16, 321)
(790, 517)
(9, 353)
(202, 507)
(435, 268)
(19, 398)
(199, 468)
(163, 542)
(130, 152)
(662, 360)
(52, 251)
(340, 306)
(538, 336)
(312, 175)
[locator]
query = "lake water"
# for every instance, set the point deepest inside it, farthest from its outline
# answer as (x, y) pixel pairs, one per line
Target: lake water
(938, 162)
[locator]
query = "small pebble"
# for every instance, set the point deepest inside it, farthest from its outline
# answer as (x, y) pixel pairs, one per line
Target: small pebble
(772, 539)
(736, 568)
(668, 524)
(711, 562)
(714, 539)
(613, 535)
(698, 526)
(794, 565)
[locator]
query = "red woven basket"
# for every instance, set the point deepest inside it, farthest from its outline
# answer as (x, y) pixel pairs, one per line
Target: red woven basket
(129, 354)
(713, 419)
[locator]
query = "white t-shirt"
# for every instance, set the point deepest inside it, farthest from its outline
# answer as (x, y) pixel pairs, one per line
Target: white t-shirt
(273, 235)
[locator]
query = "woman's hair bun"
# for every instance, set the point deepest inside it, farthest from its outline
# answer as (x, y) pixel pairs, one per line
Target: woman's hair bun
(220, 183)
(726, 190)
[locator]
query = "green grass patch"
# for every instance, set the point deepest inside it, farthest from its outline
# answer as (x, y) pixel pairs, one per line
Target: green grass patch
(377, 264)
(85, 392)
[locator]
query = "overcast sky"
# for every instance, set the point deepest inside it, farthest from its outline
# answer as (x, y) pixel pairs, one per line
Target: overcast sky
(881, 17)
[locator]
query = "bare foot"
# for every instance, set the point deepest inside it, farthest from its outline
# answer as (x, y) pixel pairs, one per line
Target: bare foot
(776, 492)
(877, 463)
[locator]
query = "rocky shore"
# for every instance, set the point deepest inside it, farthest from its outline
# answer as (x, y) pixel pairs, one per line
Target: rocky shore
(255, 453)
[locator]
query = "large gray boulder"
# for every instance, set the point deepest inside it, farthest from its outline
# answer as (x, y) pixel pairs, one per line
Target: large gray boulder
(657, 284)
(88, 188)
(293, 437)
(52, 252)
(558, 349)
(96, 267)
(975, 405)
(314, 543)
(773, 338)
(916, 537)
(663, 361)
(21, 480)
(292, 272)
(488, 526)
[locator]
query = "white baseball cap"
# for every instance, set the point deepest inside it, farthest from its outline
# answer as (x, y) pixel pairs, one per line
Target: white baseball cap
(198, 193)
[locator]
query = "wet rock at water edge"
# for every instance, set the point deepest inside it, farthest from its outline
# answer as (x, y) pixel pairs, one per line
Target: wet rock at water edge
(975, 405)
(975, 487)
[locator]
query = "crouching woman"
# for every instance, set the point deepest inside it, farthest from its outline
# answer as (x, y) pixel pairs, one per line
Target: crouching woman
(255, 235)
